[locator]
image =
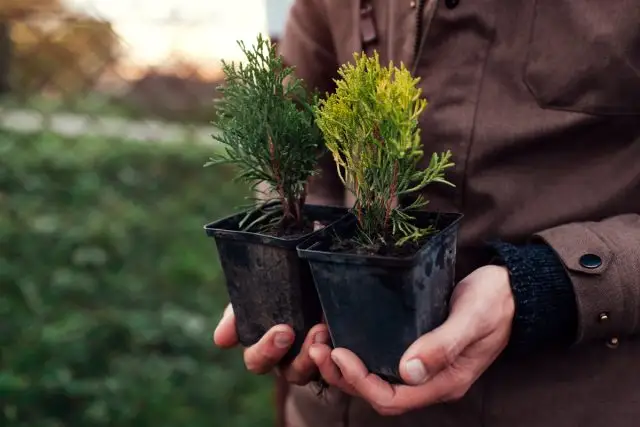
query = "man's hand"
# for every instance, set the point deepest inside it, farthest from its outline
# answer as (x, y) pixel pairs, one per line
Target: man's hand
(265, 355)
(443, 364)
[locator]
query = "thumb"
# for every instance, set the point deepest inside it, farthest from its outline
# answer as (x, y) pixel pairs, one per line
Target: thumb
(436, 350)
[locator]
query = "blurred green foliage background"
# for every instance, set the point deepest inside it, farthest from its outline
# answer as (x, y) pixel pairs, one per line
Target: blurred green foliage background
(110, 290)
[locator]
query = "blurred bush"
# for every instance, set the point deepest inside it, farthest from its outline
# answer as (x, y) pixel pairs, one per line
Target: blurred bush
(178, 94)
(110, 290)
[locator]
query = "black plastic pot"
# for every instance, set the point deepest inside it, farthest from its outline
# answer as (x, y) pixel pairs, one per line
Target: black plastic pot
(378, 306)
(268, 284)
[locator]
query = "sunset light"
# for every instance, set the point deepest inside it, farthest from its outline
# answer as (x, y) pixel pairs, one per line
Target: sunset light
(199, 31)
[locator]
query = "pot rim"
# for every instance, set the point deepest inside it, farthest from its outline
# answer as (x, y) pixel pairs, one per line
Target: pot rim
(217, 230)
(306, 249)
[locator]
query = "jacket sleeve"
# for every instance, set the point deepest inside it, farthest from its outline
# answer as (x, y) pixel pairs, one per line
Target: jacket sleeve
(545, 308)
(602, 260)
(307, 45)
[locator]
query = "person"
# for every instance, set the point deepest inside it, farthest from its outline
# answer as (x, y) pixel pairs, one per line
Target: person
(539, 101)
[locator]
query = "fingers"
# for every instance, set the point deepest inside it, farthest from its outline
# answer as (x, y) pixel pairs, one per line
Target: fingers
(266, 354)
(303, 367)
(263, 356)
(388, 399)
(357, 377)
(321, 356)
(225, 334)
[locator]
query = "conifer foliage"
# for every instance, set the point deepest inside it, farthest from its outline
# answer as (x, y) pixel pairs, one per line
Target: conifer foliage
(370, 125)
(266, 126)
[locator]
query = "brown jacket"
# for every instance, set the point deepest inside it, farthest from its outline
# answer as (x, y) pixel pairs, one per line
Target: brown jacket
(539, 100)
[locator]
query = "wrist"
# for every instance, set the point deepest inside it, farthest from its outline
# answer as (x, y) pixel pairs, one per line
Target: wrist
(508, 301)
(485, 295)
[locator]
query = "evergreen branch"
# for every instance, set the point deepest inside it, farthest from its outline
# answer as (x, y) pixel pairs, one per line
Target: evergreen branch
(267, 126)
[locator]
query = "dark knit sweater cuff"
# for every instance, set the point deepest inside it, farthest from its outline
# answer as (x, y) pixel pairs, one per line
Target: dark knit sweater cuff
(545, 307)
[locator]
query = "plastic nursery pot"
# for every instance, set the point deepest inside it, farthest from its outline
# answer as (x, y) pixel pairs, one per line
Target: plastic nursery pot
(377, 306)
(268, 284)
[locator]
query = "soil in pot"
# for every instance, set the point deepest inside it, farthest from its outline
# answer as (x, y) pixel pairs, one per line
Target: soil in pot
(377, 305)
(268, 284)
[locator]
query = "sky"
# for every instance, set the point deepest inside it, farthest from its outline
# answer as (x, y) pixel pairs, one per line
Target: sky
(202, 30)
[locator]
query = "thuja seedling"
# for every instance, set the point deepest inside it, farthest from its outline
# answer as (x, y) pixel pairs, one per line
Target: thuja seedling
(370, 125)
(266, 122)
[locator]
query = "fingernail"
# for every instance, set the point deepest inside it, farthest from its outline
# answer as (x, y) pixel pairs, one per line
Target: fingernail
(416, 371)
(282, 340)
(321, 338)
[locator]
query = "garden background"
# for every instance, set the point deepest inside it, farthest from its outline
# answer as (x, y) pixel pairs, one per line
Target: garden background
(109, 289)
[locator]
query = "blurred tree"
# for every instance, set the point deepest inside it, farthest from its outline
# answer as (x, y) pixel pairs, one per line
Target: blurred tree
(54, 50)
(11, 10)
(5, 56)
(180, 90)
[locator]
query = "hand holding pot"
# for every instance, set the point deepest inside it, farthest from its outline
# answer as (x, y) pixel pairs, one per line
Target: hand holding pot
(265, 355)
(443, 364)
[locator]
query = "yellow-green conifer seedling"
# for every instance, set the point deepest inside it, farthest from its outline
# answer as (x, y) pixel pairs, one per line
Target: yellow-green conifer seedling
(370, 125)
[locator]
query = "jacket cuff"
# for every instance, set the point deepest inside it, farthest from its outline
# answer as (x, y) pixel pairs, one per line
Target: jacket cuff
(603, 262)
(545, 306)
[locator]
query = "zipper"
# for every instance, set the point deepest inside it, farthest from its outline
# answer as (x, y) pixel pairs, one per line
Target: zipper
(418, 39)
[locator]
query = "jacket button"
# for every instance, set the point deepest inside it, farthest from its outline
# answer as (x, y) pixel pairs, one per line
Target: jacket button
(603, 317)
(613, 342)
(412, 4)
(452, 4)
(590, 261)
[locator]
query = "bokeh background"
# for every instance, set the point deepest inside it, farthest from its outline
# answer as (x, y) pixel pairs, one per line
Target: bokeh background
(109, 289)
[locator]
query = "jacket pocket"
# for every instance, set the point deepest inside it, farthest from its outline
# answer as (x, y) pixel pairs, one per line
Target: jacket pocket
(584, 56)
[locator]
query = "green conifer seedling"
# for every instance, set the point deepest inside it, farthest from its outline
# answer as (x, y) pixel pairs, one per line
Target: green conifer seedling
(370, 125)
(265, 119)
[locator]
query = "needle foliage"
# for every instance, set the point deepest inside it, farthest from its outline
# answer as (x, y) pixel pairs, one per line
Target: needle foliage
(370, 125)
(267, 128)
